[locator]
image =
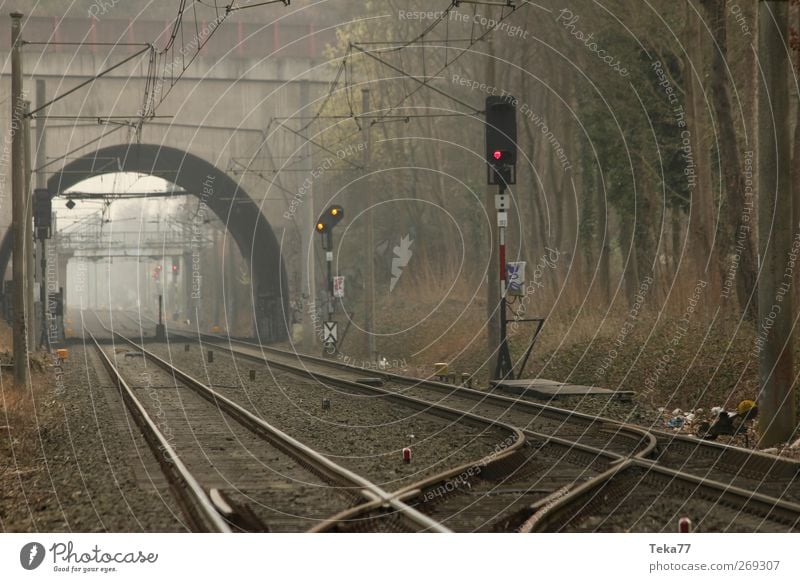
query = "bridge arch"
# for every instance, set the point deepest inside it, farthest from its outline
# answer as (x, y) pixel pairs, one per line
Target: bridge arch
(220, 193)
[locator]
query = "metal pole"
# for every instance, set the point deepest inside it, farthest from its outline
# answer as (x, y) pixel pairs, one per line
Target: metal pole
(775, 306)
(329, 261)
(45, 339)
(30, 261)
(494, 307)
(18, 210)
(41, 182)
(370, 258)
(503, 365)
(308, 265)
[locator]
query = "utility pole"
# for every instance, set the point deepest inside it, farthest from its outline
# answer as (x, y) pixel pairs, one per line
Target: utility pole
(30, 263)
(493, 307)
(776, 405)
(18, 210)
(370, 327)
(41, 183)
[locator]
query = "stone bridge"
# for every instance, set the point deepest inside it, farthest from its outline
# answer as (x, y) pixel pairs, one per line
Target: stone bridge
(214, 120)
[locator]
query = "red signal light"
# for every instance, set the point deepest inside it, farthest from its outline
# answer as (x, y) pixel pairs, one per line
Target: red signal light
(497, 154)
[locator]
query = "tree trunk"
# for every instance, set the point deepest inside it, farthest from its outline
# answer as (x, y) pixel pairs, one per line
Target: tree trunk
(732, 175)
(704, 247)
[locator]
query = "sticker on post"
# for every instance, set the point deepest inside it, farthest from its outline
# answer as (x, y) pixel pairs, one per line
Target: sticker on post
(330, 332)
(515, 275)
(338, 286)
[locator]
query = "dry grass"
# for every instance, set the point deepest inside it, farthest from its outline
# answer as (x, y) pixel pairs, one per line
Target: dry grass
(21, 408)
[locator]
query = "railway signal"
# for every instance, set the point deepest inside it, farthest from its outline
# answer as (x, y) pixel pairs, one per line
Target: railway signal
(501, 139)
(329, 219)
(501, 158)
(42, 213)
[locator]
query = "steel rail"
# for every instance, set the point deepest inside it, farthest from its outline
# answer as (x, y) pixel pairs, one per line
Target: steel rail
(630, 431)
(657, 443)
(562, 510)
(190, 495)
(293, 447)
(514, 445)
(658, 440)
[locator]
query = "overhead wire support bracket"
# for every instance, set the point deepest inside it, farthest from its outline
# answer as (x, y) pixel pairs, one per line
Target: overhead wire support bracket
(99, 118)
(412, 77)
(506, 4)
(59, 43)
(231, 8)
(89, 81)
(72, 151)
(319, 145)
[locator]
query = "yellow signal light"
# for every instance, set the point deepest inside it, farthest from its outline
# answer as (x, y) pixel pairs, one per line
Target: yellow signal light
(320, 227)
(334, 211)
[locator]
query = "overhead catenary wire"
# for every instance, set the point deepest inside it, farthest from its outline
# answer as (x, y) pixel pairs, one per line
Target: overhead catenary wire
(425, 81)
(166, 68)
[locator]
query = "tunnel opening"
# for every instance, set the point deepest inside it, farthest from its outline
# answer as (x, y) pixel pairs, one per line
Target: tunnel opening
(197, 239)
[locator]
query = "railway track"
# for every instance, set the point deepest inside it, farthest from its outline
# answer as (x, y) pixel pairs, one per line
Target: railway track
(765, 474)
(241, 484)
(485, 494)
(474, 497)
(637, 496)
(570, 464)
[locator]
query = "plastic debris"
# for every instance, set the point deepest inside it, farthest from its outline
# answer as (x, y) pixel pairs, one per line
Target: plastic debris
(676, 422)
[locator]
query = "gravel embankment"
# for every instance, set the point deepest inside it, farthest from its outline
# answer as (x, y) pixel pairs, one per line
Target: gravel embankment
(81, 468)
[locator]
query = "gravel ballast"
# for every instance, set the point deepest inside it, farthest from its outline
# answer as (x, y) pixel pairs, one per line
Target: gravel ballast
(88, 468)
(363, 433)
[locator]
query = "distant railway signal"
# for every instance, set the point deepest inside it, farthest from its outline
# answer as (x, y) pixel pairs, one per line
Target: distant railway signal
(330, 218)
(42, 213)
